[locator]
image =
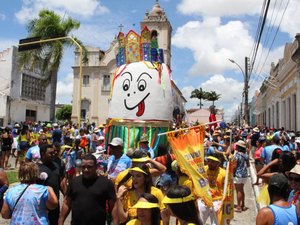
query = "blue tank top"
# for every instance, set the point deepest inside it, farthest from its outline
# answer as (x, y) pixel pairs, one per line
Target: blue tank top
(284, 215)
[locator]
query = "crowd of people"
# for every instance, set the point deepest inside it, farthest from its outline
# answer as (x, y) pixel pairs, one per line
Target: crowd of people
(103, 184)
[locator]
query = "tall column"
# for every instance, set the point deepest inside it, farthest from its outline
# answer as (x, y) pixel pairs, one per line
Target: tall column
(296, 59)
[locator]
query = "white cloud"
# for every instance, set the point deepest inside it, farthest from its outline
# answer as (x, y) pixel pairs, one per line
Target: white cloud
(219, 7)
(86, 8)
(230, 90)
(212, 43)
(2, 17)
(97, 35)
(64, 89)
(7, 43)
(290, 24)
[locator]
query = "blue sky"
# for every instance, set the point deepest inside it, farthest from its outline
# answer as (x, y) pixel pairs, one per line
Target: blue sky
(205, 34)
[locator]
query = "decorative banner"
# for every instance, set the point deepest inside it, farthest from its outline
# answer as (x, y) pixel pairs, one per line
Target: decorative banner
(189, 152)
(225, 215)
(131, 132)
(142, 91)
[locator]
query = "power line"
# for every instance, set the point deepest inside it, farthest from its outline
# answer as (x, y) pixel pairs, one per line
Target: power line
(272, 43)
(277, 30)
(259, 37)
(269, 31)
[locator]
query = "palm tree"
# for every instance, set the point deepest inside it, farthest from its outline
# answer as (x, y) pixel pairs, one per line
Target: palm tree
(212, 96)
(49, 56)
(200, 94)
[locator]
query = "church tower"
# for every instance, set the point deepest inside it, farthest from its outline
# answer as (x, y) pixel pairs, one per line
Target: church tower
(159, 25)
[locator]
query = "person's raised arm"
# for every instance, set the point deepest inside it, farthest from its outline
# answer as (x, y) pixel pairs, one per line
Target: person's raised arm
(65, 210)
(5, 212)
(118, 210)
(52, 201)
(263, 173)
(157, 168)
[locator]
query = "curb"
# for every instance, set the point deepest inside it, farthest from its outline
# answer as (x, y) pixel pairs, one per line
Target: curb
(255, 188)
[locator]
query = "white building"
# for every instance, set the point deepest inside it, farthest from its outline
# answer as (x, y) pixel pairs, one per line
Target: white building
(277, 103)
(23, 94)
(97, 74)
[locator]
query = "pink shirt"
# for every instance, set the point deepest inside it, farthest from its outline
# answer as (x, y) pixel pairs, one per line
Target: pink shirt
(257, 152)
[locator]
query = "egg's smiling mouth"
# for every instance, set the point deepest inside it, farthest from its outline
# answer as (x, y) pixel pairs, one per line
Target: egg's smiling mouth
(140, 105)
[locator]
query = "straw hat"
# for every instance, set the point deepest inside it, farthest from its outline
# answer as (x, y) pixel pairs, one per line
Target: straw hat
(255, 129)
(241, 144)
(144, 138)
(216, 133)
(295, 170)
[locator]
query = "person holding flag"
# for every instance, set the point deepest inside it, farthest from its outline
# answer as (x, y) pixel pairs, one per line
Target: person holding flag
(216, 178)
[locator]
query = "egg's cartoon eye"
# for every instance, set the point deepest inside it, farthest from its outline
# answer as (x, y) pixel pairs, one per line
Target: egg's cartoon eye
(126, 85)
(142, 85)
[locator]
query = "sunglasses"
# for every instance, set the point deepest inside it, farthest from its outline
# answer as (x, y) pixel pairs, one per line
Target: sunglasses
(296, 179)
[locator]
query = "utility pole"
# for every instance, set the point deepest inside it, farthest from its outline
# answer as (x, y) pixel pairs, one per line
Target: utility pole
(246, 89)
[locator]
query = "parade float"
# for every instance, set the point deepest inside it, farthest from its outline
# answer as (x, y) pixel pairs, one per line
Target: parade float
(141, 96)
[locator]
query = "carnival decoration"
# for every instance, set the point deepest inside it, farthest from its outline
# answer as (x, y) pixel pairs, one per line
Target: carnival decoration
(189, 152)
(212, 117)
(141, 99)
(226, 214)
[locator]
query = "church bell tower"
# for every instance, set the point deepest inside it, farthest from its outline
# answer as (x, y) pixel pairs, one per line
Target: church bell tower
(159, 25)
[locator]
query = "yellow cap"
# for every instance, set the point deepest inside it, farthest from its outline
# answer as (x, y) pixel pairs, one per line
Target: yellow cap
(143, 159)
(137, 169)
(167, 200)
(65, 146)
(213, 158)
(120, 177)
(145, 205)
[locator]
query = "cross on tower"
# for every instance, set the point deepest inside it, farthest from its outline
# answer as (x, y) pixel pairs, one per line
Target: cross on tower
(121, 26)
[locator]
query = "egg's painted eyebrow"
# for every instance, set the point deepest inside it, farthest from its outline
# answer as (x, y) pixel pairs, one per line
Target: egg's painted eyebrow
(144, 74)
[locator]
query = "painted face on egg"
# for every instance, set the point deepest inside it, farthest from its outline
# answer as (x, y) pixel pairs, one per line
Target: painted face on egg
(140, 93)
(137, 92)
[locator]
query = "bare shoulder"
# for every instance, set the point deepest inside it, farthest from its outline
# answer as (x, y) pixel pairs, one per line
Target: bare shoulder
(265, 216)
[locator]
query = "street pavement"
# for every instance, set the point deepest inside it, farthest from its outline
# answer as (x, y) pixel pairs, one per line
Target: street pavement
(244, 218)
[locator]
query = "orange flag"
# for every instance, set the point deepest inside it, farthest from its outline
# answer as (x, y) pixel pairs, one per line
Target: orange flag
(189, 152)
(225, 215)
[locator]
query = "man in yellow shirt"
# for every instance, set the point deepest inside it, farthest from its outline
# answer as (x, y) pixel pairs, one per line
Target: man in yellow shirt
(216, 178)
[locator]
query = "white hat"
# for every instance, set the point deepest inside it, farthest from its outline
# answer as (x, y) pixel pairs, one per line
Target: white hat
(295, 170)
(55, 125)
(17, 125)
(297, 140)
(100, 138)
(96, 130)
(241, 144)
(99, 150)
(117, 142)
(255, 129)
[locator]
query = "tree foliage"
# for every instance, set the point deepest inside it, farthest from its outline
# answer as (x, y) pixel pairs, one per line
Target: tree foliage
(64, 113)
(205, 95)
(48, 58)
(200, 94)
(213, 96)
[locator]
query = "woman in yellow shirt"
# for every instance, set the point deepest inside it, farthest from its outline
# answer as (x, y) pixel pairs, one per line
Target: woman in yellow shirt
(141, 183)
(148, 212)
(180, 203)
(24, 140)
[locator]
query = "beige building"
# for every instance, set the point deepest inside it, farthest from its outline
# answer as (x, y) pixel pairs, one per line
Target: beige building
(98, 73)
(277, 103)
(24, 95)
